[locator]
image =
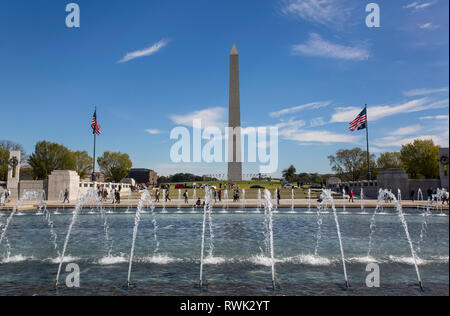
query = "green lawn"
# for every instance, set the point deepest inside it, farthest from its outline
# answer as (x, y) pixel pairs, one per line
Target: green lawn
(301, 193)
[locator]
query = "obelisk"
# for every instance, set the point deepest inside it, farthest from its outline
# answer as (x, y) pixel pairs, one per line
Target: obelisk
(234, 117)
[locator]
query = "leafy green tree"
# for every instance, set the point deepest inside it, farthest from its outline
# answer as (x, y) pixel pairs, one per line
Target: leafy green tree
(83, 163)
(351, 164)
(114, 165)
(4, 156)
(48, 157)
(289, 174)
(389, 160)
(421, 159)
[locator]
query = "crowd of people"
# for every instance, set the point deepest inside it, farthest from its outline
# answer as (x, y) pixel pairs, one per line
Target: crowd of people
(114, 194)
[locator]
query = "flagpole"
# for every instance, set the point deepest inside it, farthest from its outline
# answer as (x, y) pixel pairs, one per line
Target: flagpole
(369, 173)
(95, 143)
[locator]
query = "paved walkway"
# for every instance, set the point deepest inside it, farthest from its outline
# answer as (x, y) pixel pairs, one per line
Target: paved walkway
(298, 203)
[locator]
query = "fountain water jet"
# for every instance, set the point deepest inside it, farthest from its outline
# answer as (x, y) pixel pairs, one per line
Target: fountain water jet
(145, 197)
(344, 200)
(90, 194)
(327, 196)
(206, 211)
(225, 197)
(292, 200)
(386, 194)
(362, 200)
(373, 223)
(28, 195)
(309, 200)
(319, 230)
(268, 207)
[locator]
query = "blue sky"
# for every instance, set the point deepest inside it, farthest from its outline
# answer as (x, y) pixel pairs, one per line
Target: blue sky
(307, 66)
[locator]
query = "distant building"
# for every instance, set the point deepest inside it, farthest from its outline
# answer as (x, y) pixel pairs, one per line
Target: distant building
(144, 176)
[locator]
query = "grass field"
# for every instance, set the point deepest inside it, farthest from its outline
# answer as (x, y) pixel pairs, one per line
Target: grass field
(301, 193)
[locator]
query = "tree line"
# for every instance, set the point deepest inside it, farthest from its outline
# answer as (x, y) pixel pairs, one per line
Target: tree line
(48, 157)
(419, 159)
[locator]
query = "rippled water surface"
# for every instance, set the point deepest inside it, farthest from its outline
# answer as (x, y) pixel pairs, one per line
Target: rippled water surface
(238, 265)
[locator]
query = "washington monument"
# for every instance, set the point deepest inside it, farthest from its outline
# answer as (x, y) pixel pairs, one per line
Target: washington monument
(234, 136)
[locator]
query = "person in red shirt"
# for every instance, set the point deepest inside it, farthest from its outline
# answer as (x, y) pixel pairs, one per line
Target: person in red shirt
(351, 194)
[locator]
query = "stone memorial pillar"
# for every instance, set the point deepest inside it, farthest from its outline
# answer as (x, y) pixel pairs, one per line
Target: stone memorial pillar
(59, 181)
(13, 174)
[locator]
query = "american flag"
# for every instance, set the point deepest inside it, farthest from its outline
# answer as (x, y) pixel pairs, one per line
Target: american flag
(359, 122)
(94, 125)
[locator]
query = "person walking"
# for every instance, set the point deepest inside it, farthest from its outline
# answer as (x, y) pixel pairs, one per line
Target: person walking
(430, 193)
(215, 196)
(168, 196)
(412, 195)
(278, 197)
(350, 196)
(186, 197)
(157, 196)
(446, 197)
(220, 195)
(66, 196)
(117, 197)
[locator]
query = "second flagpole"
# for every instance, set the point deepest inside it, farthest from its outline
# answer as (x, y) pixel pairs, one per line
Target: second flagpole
(94, 178)
(369, 173)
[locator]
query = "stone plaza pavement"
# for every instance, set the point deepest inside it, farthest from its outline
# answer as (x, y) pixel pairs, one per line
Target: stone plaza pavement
(250, 203)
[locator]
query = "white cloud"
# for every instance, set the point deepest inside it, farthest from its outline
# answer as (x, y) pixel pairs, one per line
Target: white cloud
(211, 117)
(318, 47)
(145, 52)
(378, 112)
(153, 131)
(421, 92)
(408, 130)
(419, 5)
(318, 121)
(407, 135)
(441, 140)
(307, 136)
(318, 11)
(428, 26)
(294, 130)
(437, 117)
(313, 105)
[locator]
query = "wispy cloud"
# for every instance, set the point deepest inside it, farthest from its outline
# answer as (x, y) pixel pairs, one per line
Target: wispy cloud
(428, 26)
(313, 105)
(295, 130)
(436, 117)
(318, 121)
(318, 11)
(153, 131)
(318, 47)
(378, 112)
(211, 117)
(419, 5)
(392, 141)
(145, 52)
(407, 130)
(304, 137)
(421, 92)
(406, 135)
